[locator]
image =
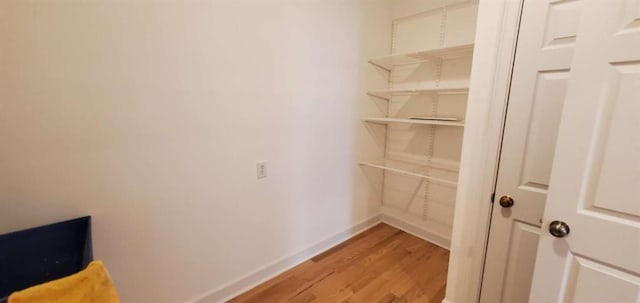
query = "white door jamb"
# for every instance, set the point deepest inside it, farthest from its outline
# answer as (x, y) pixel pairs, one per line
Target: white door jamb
(495, 42)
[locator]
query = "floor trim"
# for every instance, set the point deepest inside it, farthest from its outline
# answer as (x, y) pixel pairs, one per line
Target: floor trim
(239, 286)
(416, 231)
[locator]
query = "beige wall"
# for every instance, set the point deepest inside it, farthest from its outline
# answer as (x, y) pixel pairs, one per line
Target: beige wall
(151, 115)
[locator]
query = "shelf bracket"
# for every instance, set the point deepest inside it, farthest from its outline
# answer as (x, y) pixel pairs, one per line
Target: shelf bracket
(379, 66)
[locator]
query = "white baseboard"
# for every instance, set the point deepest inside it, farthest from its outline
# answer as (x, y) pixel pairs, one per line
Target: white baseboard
(416, 231)
(239, 286)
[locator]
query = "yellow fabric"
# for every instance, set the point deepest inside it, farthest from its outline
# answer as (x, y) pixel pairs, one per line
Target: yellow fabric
(93, 284)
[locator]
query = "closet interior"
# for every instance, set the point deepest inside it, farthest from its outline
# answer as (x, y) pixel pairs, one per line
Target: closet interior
(420, 114)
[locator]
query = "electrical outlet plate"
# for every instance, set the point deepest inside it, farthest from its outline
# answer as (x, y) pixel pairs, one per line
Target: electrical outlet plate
(261, 170)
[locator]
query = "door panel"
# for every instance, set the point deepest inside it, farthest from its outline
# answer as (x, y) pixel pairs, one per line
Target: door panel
(616, 183)
(522, 250)
(590, 281)
(595, 179)
(540, 77)
(562, 24)
(549, 90)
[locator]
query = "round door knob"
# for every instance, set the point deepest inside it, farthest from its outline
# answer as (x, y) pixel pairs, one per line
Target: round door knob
(506, 201)
(559, 229)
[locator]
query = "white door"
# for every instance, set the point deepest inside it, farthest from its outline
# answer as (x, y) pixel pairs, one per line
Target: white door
(595, 180)
(544, 53)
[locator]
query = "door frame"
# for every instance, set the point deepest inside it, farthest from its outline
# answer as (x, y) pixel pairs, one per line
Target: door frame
(493, 57)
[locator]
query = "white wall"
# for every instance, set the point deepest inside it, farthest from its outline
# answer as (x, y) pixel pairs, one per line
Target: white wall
(151, 115)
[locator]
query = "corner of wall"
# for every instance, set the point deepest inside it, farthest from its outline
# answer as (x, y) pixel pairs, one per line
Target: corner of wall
(255, 278)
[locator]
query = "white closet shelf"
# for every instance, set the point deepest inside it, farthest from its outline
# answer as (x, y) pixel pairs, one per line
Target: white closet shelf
(414, 121)
(390, 92)
(407, 169)
(436, 54)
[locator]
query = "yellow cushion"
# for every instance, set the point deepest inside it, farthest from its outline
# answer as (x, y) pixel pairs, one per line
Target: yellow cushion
(93, 284)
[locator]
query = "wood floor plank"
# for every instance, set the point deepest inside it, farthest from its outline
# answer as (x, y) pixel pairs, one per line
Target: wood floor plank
(283, 289)
(348, 281)
(382, 264)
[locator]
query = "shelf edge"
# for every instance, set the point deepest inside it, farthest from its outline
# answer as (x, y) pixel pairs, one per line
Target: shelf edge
(409, 173)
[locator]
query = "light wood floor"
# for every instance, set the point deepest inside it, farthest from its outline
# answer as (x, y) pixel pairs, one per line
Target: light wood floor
(383, 264)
